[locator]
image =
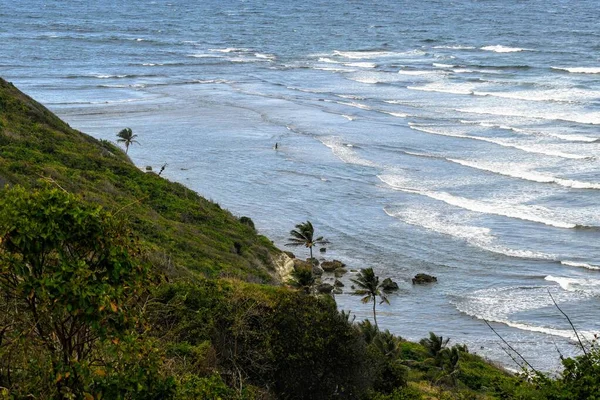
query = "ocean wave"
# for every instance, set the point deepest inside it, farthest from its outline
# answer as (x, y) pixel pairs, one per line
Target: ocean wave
(455, 47)
(565, 137)
(415, 72)
(587, 118)
(503, 49)
(204, 55)
(361, 64)
(579, 264)
(579, 70)
(354, 104)
(367, 54)
(395, 114)
(515, 171)
(269, 57)
(473, 235)
(329, 60)
(516, 211)
(440, 65)
(230, 50)
(500, 304)
(588, 286)
(345, 152)
(332, 69)
(501, 142)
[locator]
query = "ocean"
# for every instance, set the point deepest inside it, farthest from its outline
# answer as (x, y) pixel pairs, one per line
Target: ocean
(459, 139)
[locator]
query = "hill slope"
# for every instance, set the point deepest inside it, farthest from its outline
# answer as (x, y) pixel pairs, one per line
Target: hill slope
(179, 227)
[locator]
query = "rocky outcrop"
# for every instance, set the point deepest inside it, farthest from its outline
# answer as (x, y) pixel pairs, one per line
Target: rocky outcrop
(317, 271)
(389, 285)
(284, 266)
(339, 272)
(330, 266)
(421, 279)
(324, 288)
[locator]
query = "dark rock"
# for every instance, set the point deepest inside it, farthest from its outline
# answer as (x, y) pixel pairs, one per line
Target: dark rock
(314, 261)
(389, 285)
(330, 266)
(299, 264)
(323, 249)
(324, 288)
(290, 254)
(339, 272)
(353, 270)
(338, 283)
(420, 279)
(337, 291)
(317, 271)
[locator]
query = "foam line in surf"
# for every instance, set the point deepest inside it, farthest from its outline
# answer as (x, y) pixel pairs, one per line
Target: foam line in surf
(500, 142)
(515, 211)
(579, 264)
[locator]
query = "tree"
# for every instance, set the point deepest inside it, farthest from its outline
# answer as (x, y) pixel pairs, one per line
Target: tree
(66, 269)
(369, 287)
(302, 279)
(303, 235)
(127, 137)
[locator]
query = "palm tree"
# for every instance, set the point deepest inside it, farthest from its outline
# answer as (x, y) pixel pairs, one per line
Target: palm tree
(302, 279)
(369, 287)
(303, 236)
(126, 136)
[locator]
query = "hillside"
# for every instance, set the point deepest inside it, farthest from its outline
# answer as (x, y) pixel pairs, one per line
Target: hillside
(181, 301)
(178, 227)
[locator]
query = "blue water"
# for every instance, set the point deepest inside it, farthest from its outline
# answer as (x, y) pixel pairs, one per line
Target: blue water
(454, 138)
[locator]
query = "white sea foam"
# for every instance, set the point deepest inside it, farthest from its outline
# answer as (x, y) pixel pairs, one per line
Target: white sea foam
(344, 152)
(579, 70)
(521, 172)
(230, 50)
(475, 236)
(204, 55)
(365, 79)
(500, 142)
(109, 76)
(502, 49)
(579, 264)
(328, 60)
(518, 211)
(500, 304)
(354, 104)
(587, 286)
(582, 118)
(440, 65)
(453, 89)
(456, 47)
(565, 137)
(395, 114)
(348, 117)
(350, 96)
(363, 54)
(332, 69)
(417, 73)
(361, 64)
(263, 56)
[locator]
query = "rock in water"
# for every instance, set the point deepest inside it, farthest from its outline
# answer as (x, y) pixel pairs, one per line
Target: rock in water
(420, 279)
(330, 266)
(325, 288)
(390, 285)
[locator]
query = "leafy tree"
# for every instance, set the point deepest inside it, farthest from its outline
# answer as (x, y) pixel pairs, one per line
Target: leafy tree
(127, 137)
(303, 279)
(303, 235)
(66, 268)
(369, 287)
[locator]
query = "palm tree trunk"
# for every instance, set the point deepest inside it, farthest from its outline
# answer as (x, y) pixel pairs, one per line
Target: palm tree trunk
(375, 315)
(311, 260)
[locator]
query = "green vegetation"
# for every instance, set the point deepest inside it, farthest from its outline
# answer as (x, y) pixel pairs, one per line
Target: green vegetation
(118, 284)
(369, 287)
(303, 235)
(126, 137)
